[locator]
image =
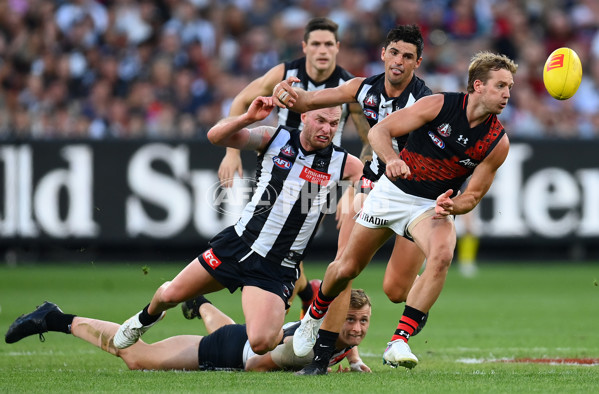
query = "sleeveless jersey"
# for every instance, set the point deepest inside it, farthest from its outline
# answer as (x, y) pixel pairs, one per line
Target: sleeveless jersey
(377, 105)
(443, 153)
(291, 197)
(297, 68)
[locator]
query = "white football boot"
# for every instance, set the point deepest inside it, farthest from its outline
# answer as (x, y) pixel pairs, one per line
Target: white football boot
(398, 354)
(130, 331)
(305, 336)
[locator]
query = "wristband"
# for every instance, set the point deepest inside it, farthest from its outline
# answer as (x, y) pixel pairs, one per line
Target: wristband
(357, 366)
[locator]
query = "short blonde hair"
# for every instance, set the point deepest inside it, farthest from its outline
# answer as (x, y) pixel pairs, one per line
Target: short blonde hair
(484, 62)
(359, 299)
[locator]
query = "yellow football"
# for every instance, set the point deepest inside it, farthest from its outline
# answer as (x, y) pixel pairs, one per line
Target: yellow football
(562, 73)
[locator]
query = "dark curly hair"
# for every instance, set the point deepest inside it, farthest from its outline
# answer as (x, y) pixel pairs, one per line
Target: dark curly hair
(406, 33)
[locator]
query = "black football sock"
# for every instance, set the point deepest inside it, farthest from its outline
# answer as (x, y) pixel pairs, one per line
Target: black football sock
(421, 324)
(60, 322)
(320, 305)
(307, 293)
(324, 347)
(200, 300)
(146, 319)
(408, 323)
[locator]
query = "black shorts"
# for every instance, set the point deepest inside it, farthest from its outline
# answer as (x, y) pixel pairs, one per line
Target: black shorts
(234, 265)
(223, 349)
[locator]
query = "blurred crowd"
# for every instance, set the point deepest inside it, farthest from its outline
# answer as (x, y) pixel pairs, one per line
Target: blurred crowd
(170, 68)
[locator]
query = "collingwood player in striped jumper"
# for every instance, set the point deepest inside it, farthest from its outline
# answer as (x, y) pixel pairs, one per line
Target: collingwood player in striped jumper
(452, 136)
(380, 95)
(317, 70)
(261, 253)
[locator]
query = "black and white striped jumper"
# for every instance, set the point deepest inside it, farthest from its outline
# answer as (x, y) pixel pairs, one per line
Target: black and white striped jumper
(293, 190)
(297, 68)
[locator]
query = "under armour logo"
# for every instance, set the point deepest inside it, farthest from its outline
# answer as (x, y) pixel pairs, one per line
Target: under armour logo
(462, 140)
(319, 311)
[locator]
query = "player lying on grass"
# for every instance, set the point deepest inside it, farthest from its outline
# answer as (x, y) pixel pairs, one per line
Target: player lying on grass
(225, 347)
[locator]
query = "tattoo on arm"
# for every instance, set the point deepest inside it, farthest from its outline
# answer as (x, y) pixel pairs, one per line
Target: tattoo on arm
(259, 136)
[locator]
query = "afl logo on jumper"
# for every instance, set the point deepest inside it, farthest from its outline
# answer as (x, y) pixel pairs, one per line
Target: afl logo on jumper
(287, 150)
(370, 114)
(444, 130)
(281, 163)
(436, 140)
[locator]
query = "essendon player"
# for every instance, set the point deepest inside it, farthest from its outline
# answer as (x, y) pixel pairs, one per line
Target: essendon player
(452, 136)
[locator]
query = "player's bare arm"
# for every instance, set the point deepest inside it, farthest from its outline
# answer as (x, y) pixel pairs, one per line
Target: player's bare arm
(233, 132)
(231, 163)
(262, 86)
(400, 123)
(353, 169)
(355, 362)
(301, 101)
(362, 127)
(479, 183)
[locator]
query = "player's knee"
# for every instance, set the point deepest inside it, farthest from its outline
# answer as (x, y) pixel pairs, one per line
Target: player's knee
(445, 257)
(169, 294)
(396, 294)
(261, 345)
(440, 261)
(346, 270)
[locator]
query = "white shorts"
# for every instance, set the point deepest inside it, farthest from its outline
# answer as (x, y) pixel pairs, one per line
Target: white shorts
(389, 206)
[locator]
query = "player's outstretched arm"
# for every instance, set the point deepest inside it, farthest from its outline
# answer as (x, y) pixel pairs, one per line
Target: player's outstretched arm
(299, 100)
(231, 163)
(400, 123)
(233, 132)
(355, 362)
(481, 179)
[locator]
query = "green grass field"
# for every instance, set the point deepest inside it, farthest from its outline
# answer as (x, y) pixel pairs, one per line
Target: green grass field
(508, 312)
